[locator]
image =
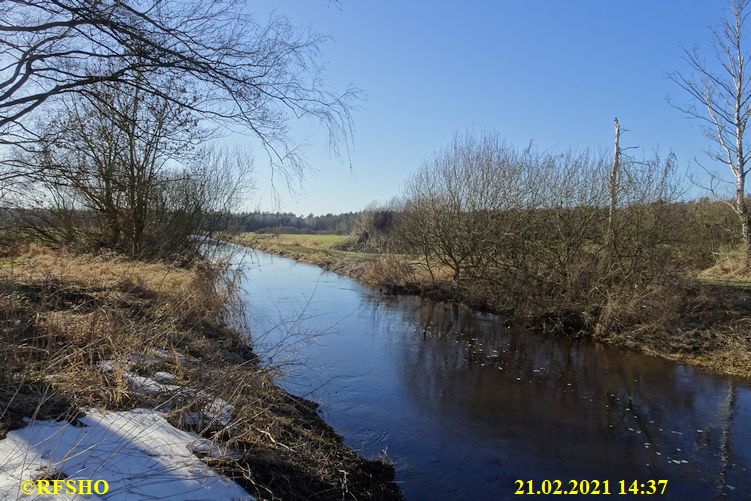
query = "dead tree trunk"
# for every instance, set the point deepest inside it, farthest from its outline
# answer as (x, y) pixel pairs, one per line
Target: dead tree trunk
(614, 186)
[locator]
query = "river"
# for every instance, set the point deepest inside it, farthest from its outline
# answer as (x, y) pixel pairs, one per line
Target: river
(464, 405)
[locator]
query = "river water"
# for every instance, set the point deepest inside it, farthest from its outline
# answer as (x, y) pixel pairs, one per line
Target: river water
(465, 406)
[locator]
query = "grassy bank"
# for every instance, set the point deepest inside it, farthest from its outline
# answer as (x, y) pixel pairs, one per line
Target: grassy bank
(390, 273)
(84, 332)
(703, 320)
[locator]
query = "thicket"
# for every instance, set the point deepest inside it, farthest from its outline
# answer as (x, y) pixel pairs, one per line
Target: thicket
(120, 169)
(531, 231)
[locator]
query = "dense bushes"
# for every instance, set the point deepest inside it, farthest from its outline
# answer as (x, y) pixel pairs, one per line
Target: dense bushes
(531, 230)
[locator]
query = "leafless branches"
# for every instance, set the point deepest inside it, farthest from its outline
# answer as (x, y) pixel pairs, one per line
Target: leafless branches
(132, 166)
(240, 72)
(523, 225)
(720, 98)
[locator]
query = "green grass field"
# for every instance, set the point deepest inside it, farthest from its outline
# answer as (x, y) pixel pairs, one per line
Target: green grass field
(317, 241)
(301, 247)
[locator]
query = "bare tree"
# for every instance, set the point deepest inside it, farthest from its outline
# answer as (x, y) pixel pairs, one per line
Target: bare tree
(451, 202)
(256, 75)
(721, 99)
(127, 162)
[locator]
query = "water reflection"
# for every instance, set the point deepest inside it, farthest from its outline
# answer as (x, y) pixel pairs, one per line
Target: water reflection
(465, 405)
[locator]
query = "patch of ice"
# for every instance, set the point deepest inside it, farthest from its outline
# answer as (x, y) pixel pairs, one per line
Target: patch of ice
(137, 452)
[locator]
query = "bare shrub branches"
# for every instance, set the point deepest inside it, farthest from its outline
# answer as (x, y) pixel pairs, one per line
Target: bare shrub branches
(130, 166)
(536, 229)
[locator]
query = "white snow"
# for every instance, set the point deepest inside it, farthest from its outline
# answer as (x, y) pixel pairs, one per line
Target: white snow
(148, 385)
(205, 447)
(213, 409)
(137, 452)
(164, 377)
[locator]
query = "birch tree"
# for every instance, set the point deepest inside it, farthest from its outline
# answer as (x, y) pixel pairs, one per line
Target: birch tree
(720, 97)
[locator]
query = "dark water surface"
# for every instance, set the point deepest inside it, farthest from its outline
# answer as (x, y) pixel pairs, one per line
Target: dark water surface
(464, 406)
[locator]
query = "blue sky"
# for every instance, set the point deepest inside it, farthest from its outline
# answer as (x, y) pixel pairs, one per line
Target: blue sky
(555, 72)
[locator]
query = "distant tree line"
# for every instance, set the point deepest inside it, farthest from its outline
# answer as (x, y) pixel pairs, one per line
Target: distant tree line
(287, 222)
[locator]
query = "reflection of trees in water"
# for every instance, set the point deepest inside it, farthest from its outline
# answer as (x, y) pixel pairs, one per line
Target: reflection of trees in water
(570, 401)
(727, 410)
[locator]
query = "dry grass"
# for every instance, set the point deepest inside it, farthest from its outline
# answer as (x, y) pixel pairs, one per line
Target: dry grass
(730, 267)
(320, 242)
(390, 272)
(708, 325)
(77, 330)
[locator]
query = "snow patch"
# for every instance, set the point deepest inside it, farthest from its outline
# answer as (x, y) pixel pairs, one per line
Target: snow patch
(214, 410)
(137, 452)
(148, 385)
(164, 377)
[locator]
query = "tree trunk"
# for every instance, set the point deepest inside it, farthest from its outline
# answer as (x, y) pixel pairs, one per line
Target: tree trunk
(614, 186)
(742, 210)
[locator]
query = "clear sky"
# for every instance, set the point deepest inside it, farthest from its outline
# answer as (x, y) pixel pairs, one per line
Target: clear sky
(555, 72)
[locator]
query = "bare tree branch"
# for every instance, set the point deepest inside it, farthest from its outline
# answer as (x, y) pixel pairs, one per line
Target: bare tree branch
(244, 73)
(720, 98)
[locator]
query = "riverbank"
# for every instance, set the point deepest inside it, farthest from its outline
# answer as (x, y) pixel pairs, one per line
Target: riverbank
(392, 274)
(142, 352)
(700, 320)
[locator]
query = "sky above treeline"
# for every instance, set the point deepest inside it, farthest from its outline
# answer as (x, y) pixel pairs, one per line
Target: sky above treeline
(547, 71)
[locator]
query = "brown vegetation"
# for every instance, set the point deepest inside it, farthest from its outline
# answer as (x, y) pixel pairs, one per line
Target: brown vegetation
(540, 238)
(79, 332)
(703, 322)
